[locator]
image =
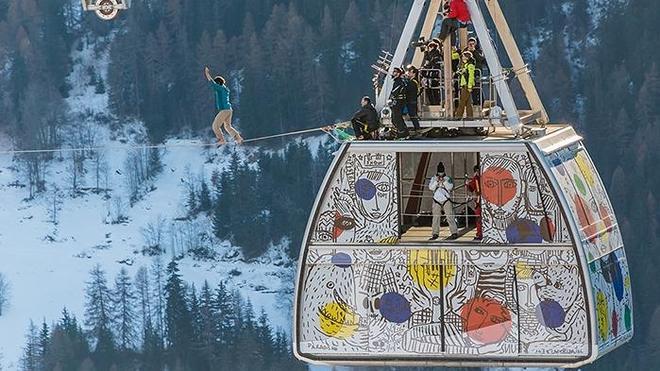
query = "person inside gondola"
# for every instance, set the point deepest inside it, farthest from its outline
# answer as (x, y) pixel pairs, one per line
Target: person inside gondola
(466, 81)
(223, 106)
(442, 185)
(398, 101)
(365, 121)
(474, 186)
(457, 16)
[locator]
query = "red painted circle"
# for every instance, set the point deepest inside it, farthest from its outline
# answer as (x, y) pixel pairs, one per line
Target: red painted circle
(499, 186)
(485, 320)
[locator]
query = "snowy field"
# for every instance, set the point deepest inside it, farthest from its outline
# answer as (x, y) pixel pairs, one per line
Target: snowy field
(47, 264)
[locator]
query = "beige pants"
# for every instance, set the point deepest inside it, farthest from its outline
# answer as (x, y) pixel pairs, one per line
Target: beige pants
(448, 208)
(223, 119)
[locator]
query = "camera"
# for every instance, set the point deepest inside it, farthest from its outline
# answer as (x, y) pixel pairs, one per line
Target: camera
(422, 43)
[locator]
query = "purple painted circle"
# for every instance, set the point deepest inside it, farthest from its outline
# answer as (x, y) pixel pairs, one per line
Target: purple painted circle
(550, 314)
(394, 307)
(365, 189)
(342, 260)
(524, 231)
(611, 271)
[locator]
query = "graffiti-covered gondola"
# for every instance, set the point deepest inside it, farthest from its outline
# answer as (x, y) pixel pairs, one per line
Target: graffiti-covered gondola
(526, 266)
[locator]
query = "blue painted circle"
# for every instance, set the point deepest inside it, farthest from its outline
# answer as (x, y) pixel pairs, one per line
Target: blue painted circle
(342, 260)
(365, 189)
(611, 271)
(550, 314)
(524, 231)
(394, 307)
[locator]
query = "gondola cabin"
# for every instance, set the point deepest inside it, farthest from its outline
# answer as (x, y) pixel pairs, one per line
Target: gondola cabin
(548, 285)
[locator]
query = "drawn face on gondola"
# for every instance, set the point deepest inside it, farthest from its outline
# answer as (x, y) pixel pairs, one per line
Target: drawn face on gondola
(502, 188)
(490, 260)
(486, 321)
(374, 191)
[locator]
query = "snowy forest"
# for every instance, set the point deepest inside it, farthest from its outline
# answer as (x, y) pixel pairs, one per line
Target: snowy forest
(292, 65)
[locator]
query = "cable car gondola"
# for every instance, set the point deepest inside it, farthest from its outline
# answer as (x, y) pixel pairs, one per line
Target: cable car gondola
(548, 285)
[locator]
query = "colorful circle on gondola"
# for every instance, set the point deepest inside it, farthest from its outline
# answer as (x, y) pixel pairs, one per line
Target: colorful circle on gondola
(524, 231)
(365, 189)
(394, 307)
(550, 314)
(431, 269)
(602, 316)
(342, 260)
(338, 320)
(499, 185)
(485, 320)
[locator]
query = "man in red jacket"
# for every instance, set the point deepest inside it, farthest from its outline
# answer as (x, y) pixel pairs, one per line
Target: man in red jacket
(458, 15)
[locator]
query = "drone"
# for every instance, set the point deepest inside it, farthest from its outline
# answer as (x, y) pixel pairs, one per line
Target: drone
(106, 9)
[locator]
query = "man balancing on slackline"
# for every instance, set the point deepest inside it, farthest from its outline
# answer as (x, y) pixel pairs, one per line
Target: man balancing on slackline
(223, 106)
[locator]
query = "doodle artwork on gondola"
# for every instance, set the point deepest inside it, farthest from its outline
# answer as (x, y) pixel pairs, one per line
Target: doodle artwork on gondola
(399, 302)
(361, 203)
(602, 243)
(518, 205)
(587, 200)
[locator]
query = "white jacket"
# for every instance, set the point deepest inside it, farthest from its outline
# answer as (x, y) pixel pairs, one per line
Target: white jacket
(441, 188)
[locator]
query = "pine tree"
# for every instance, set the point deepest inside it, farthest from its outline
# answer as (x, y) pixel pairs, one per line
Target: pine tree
(44, 337)
(30, 358)
(124, 316)
(99, 318)
(205, 202)
(178, 319)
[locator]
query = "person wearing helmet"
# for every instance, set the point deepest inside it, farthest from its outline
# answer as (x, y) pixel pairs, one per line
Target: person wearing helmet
(477, 53)
(466, 81)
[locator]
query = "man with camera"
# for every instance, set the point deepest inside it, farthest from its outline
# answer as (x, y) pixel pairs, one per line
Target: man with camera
(442, 185)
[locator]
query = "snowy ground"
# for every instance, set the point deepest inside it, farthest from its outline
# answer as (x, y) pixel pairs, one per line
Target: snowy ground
(47, 265)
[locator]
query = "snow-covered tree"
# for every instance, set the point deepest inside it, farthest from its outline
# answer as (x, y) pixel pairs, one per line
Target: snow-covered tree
(124, 316)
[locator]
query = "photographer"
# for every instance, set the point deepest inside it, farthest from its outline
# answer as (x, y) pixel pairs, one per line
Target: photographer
(399, 100)
(442, 185)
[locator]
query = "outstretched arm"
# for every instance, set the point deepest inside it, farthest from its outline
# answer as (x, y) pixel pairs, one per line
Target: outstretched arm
(207, 72)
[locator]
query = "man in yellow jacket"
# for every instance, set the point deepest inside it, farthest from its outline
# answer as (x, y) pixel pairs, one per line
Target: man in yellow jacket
(466, 81)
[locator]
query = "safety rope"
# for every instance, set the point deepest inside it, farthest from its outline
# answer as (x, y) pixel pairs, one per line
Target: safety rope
(165, 146)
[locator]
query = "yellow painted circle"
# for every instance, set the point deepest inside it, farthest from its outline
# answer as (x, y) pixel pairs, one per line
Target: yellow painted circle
(585, 168)
(602, 315)
(426, 266)
(338, 320)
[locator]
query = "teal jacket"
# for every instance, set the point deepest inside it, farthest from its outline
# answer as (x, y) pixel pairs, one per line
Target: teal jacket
(221, 96)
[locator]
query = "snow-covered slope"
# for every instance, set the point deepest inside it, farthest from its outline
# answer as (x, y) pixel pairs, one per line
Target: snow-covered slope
(48, 264)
